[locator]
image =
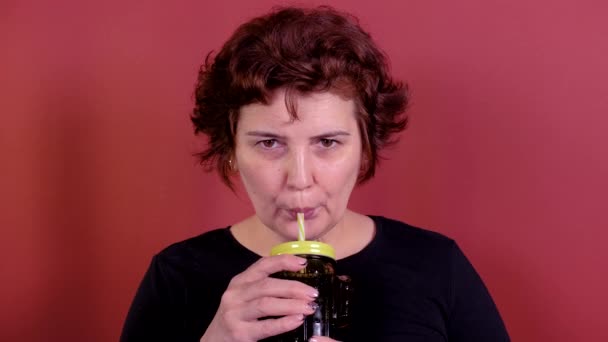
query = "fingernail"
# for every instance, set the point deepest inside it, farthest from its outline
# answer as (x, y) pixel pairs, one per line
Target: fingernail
(303, 261)
(315, 294)
(313, 306)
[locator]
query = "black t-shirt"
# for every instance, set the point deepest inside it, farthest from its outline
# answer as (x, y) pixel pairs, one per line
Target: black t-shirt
(411, 284)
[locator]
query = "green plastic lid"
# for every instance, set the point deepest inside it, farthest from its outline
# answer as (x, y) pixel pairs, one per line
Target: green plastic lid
(304, 247)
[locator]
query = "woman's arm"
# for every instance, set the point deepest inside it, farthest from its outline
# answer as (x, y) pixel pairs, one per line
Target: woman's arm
(473, 315)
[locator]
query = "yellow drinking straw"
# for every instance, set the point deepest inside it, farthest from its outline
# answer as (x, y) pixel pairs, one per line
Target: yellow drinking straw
(301, 229)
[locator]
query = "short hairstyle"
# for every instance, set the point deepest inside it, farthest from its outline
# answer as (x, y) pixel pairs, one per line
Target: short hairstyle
(302, 50)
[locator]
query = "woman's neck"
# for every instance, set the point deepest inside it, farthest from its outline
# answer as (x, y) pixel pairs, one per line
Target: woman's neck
(349, 236)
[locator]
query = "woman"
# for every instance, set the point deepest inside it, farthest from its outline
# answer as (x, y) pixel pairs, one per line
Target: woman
(297, 104)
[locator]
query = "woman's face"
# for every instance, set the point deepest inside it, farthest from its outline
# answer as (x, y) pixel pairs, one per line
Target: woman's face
(308, 165)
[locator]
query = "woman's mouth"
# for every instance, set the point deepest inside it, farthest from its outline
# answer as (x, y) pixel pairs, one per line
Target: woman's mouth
(309, 213)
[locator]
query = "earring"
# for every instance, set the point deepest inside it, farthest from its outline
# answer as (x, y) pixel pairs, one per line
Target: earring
(232, 165)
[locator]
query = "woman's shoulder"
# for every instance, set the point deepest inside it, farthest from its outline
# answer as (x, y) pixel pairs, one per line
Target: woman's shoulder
(207, 241)
(212, 248)
(400, 231)
(394, 237)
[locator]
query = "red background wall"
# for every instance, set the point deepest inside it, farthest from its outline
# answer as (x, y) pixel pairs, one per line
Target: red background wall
(506, 152)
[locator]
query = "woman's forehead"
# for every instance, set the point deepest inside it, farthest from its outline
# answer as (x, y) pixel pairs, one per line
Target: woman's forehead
(317, 108)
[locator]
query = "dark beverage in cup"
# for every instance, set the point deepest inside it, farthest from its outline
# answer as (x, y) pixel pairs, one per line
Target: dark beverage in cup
(333, 304)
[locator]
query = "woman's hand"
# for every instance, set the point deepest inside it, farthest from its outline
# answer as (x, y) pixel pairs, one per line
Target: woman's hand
(253, 294)
(321, 339)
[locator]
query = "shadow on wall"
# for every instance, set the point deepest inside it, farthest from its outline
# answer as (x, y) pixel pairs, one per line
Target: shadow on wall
(519, 297)
(67, 137)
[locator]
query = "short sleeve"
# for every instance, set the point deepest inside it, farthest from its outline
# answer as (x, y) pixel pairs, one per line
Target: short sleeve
(473, 316)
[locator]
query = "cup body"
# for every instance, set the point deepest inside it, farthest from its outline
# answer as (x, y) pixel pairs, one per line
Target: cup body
(332, 315)
(320, 274)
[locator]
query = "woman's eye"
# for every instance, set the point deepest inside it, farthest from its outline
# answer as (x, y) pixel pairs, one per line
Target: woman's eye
(328, 142)
(269, 143)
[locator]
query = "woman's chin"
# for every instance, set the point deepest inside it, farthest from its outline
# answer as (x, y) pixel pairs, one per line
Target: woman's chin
(287, 228)
(291, 233)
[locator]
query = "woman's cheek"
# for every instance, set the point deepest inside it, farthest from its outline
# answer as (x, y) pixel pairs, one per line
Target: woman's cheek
(343, 170)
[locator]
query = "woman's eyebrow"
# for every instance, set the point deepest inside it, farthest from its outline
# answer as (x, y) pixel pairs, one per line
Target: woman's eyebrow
(331, 134)
(264, 134)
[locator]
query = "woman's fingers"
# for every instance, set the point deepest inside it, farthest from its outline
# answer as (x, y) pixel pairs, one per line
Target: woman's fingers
(281, 288)
(252, 294)
(270, 265)
(273, 307)
(255, 283)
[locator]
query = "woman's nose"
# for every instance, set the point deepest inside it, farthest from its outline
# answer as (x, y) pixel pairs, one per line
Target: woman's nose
(299, 171)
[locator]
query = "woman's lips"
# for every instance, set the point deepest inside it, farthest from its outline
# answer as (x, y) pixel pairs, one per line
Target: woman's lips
(309, 213)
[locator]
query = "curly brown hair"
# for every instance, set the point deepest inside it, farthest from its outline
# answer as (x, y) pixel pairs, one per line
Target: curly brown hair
(302, 50)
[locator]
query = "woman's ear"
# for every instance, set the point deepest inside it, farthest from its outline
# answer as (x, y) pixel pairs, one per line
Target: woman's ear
(232, 165)
(364, 163)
